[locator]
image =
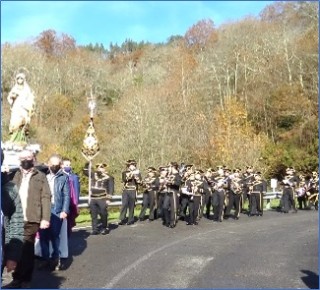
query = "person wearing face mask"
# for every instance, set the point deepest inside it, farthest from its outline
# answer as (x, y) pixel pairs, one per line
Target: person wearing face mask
(12, 223)
(74, 184)
(34, 194)
(60, 202)
(102, 187)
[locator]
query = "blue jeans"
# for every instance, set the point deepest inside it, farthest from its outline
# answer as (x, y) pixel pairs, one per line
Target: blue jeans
(51, 234)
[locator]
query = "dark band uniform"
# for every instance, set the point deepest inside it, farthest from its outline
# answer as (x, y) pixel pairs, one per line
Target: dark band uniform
(235, 197)
(151, 186)
(131, 180)
(103, 186)
(171, 199)
(198, 190)
(218, 198)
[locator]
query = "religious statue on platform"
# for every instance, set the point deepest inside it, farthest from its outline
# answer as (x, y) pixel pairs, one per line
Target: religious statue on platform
(22, 102)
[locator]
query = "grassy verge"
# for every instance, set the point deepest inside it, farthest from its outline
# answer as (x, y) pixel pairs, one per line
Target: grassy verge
(84, 218)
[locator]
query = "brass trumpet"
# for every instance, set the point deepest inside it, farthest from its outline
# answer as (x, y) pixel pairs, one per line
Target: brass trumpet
(147, 183)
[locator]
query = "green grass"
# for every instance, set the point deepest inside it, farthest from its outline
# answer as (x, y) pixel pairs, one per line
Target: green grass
(84, 217)
(113, 213)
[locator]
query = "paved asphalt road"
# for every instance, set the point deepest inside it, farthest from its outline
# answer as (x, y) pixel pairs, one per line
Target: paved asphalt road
(273, 251)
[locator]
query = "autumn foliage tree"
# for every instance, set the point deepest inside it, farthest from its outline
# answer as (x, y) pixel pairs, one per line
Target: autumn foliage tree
(245, 92)
(200, 34)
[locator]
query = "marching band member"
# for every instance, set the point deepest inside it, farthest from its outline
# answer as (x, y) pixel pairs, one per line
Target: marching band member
(171, 196)
(151, 185)
(235, 194)
(102, 187)
(206, 197)
(197, 190)
(313, 190)
(131, 178)
(293, 182)
(163, 174)
(247, 180)
(301, 191)
(184, 198)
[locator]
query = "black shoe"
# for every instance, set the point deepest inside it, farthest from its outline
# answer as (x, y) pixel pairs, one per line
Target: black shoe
(190, 224)
(54, 264)
(94, 233)
(62, 265)
(104, 231)
(122, 223)
(130, 223)
(171, 226)
(43, 265)
(196, 223)
(59, 266)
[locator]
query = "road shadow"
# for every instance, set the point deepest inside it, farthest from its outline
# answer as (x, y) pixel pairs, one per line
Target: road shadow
(311, 280)
(46, 279)
(78, 242)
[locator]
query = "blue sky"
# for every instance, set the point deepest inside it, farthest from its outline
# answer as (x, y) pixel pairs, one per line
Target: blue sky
(114, 21)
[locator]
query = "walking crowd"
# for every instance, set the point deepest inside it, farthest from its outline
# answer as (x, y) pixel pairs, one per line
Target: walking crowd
(37, 202)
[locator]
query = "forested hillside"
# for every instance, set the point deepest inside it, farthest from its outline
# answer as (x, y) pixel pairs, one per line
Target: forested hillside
(242, 93)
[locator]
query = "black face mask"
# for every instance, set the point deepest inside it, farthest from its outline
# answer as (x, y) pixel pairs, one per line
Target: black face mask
(54, 168)
(26, 164)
